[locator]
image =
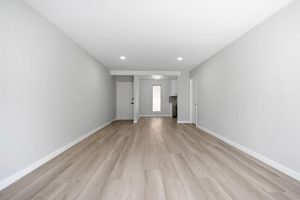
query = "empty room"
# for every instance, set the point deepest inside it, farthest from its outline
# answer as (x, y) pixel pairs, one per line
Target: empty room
(150, 99)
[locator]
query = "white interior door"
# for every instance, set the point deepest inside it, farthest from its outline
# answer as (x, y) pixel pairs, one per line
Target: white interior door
(194, 100)
(124, 100)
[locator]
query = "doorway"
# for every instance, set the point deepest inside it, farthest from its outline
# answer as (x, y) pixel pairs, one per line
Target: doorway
(193, 85)
(125, 100)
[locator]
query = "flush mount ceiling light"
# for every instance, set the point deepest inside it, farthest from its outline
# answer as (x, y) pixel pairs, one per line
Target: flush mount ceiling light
(179, 58)
(122, 57)
(157, 76)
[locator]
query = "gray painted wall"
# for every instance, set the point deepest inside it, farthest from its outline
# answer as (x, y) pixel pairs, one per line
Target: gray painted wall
(253, 88)
(51, 91)
(184, 97)
(146, 97)
(124, 78)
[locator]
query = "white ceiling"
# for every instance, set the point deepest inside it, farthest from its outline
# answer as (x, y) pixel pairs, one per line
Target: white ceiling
(153, 33)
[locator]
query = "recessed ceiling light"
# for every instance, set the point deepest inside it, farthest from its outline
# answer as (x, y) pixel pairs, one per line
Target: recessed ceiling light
(179, 58)
(122, 57)
(157, 76)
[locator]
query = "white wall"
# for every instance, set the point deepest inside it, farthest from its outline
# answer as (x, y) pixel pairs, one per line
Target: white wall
(184, 97)
(253, 86)
(146, 97)
(51, 91)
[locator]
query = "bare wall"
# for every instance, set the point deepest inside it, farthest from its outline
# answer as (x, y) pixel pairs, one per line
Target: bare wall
(145, 99)
(184, 97)
(51, 91)
(250, 91)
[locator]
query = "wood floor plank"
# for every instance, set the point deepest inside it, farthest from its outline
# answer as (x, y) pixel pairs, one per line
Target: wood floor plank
(154, 188)
(153, 159)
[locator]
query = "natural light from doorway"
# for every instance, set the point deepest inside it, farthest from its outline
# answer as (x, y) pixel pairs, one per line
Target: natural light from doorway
(156, 98)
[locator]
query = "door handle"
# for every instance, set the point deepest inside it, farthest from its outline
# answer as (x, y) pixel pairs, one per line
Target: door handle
(131, 103)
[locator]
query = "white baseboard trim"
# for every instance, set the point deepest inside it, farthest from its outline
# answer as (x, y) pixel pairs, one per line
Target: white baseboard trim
(120, 119)
(13, 178)
(136, 121)
(183, 122)
(260, 157)
(155, 115)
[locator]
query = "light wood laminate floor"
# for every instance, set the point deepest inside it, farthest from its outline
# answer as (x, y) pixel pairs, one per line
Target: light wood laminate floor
(153, 159)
